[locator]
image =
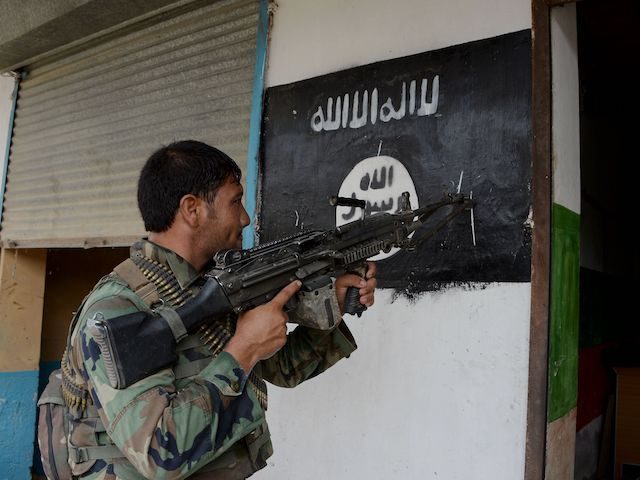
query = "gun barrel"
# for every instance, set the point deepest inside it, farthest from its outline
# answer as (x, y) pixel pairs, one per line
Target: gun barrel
(425, 212)
(459, 203)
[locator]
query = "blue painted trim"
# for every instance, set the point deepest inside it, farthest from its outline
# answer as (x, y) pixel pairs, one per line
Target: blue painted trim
(251, 202)
(3, 179)
(18, 395)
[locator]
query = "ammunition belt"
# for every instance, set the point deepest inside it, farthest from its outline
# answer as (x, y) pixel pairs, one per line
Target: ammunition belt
(165, 281)
(216, 335)
(76, 396)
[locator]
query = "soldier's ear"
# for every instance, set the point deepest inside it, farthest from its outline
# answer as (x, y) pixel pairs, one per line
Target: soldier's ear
(190, 210)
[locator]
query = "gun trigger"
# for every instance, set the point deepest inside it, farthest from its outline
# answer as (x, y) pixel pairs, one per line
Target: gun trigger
(292, 304)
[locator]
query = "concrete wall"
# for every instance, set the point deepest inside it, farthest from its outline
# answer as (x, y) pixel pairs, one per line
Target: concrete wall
(438, 387)
(31, 28)
(22, 274)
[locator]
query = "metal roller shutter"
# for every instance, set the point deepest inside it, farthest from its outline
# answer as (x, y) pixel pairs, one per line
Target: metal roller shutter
(85, 123)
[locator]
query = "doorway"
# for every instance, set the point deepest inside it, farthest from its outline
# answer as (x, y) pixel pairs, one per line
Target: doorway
(608, 46)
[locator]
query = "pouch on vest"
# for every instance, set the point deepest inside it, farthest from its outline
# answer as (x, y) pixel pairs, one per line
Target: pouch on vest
(53, 430)
(53, 419)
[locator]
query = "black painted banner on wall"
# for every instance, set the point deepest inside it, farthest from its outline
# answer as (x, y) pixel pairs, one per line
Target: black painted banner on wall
(417, 124)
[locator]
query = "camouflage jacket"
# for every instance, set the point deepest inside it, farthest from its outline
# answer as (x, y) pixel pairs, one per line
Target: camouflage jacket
(170, 424)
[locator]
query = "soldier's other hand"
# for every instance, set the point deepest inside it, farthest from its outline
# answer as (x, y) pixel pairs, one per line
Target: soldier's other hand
(366, 286)
(261, 331)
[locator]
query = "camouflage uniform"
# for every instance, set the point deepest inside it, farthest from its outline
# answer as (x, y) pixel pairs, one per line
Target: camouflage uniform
(179, 421)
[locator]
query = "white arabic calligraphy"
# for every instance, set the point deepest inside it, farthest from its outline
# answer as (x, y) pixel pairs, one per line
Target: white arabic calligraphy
(338, 116)
(379, 181)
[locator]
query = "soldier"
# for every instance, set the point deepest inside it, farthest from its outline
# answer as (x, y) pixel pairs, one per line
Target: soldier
(204, 417)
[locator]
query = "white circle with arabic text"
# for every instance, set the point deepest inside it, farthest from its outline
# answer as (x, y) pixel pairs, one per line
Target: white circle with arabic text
(379, 181)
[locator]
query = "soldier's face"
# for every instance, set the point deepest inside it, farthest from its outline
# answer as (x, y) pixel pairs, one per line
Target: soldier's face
(225, 218)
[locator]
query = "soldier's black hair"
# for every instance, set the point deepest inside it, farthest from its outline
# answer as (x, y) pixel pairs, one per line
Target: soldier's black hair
(183, 167)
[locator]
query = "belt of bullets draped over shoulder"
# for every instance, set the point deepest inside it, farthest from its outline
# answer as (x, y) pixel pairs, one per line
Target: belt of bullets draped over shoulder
(214, 335)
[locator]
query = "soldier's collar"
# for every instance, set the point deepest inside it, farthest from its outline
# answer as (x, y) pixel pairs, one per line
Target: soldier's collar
(184, 272)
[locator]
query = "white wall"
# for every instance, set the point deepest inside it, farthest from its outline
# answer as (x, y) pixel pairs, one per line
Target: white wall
(7, 85)
(438, 386)
(311, 38)
(565, 108)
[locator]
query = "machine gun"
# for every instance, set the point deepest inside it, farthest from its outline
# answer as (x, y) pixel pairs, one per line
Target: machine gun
(141, 343)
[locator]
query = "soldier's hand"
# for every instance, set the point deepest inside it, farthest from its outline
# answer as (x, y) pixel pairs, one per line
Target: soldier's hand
(366, 286)
(261, 331)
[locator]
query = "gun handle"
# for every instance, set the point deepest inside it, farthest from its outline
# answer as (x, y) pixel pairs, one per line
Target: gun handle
(352, 303)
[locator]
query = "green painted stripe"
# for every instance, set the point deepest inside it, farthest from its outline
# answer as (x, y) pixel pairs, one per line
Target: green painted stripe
(564, 315)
